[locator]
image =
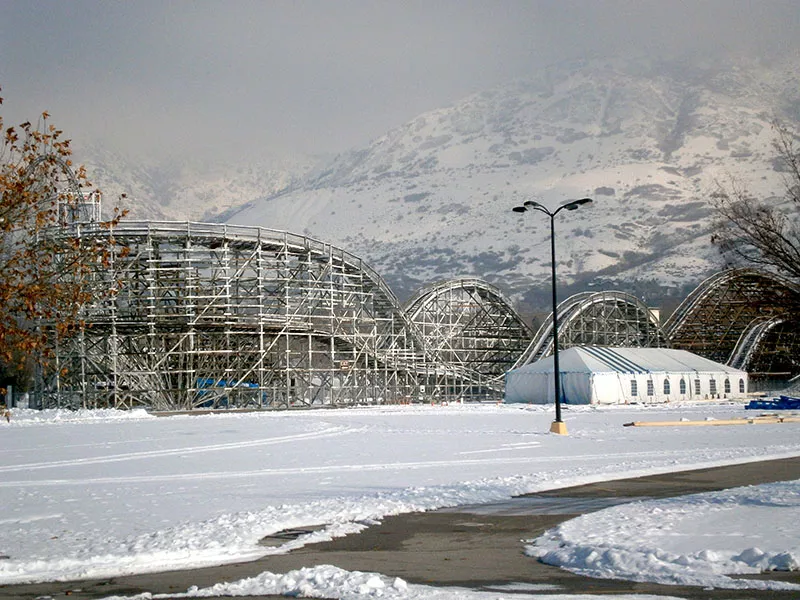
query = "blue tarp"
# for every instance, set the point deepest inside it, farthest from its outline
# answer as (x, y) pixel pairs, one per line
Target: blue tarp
(217, 400)
(779, 403)
(206, 382)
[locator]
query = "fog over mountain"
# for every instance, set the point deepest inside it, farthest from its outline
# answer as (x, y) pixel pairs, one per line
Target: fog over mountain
(186, 188)
(404, 132)
(238, 81)
(648, 140)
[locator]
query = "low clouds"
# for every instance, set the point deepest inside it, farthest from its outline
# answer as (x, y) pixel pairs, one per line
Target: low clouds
(245, 78)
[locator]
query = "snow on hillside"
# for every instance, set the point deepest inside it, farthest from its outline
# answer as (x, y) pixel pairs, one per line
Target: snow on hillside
(431, 199)
(184, 188)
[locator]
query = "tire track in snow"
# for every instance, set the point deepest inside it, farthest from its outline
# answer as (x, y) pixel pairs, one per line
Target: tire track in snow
(504, 448)
(668, 458)
(329, 432)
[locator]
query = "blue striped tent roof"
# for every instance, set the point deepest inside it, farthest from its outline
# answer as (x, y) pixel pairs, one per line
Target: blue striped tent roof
(602, 359)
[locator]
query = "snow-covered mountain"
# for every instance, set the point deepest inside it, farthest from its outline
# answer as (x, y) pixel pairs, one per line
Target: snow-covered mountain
(647, 141)
(185, 188)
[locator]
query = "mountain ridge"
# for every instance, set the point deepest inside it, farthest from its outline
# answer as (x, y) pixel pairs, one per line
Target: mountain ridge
(431, 199)
(182, 188)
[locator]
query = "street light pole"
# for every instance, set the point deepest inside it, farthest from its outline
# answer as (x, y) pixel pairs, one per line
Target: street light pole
(558, 426)
(556, 370)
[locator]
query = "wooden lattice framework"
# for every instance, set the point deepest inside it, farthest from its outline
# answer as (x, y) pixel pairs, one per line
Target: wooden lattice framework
(209, 315)
(470, 325)
(742, 317)
(608, 318)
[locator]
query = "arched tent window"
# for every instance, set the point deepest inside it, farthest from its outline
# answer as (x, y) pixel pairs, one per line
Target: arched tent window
(712, 386)
(727, 386)
(650, 387)
(682, 386)
(666, 387)
(741, 386)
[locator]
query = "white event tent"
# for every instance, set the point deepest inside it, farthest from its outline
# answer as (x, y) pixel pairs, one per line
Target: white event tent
(602, 375)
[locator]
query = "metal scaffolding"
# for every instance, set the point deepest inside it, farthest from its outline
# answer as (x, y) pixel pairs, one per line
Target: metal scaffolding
(471, 326)
(207, 315)
(598, 319)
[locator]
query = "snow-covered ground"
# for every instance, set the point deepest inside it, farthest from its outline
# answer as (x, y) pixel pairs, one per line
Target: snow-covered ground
(103, 493)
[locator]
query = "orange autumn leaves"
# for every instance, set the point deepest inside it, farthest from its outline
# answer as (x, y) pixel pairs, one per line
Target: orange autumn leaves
(47, 275)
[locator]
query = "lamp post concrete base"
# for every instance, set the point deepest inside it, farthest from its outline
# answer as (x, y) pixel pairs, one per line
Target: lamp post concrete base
(558, 427)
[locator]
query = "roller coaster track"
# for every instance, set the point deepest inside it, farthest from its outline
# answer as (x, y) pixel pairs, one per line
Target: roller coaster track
(751, 340)
(597, 318)
(228, 315)
(716, 318)
(295, 319)
(470, 323)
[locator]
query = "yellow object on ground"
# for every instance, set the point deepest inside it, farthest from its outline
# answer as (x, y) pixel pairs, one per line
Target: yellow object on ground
(764, 419)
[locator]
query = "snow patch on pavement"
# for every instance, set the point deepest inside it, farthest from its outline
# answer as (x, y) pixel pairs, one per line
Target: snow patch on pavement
(326, 581)
(696, 540)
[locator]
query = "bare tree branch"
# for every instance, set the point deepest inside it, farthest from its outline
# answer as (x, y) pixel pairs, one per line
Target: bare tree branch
(757, 232)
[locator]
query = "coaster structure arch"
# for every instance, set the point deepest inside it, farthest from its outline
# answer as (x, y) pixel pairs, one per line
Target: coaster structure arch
(609, 318)
(214, 315)
(52, 176)
(745, 318)
(470, 325)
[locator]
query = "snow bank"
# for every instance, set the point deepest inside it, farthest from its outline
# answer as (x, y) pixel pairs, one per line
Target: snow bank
(326, 581)
(21, 417)
(690, 540)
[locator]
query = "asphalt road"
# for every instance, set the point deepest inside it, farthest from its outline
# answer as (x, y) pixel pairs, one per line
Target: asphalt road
(478, 547)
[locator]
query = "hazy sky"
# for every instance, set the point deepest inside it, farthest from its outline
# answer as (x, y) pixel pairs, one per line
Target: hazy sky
(234, 77)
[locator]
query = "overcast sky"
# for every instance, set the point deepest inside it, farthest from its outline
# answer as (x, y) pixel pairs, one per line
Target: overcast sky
(232, 77)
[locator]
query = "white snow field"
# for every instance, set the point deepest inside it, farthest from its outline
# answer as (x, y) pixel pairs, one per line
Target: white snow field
(105, 493)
